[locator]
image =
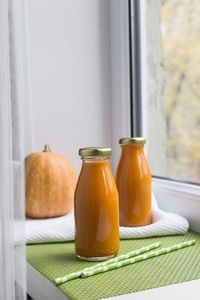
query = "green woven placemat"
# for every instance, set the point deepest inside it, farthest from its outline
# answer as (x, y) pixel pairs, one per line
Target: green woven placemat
(58, 259)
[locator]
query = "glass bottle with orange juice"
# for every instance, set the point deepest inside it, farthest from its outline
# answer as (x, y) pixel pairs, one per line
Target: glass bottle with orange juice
(133, 179)
(96, 207)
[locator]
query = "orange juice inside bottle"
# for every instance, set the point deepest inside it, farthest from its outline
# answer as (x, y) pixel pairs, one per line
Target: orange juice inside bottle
(96, 207)
(133, 179)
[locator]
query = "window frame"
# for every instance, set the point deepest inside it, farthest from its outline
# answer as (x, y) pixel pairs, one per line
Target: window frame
(175, 189)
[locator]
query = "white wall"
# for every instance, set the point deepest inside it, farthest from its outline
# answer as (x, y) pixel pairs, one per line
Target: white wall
(70, 74)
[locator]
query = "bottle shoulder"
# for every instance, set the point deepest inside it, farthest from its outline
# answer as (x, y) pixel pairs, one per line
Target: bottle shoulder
(98, 181)
(132, 166)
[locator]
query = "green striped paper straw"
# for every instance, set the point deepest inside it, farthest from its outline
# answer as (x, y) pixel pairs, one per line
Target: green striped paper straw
(125, 256)
(138, 258)
(66, 278)
(75, 275)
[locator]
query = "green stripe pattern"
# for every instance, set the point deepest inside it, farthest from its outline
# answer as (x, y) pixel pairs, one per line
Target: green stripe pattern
(134, 253)
(129, 261)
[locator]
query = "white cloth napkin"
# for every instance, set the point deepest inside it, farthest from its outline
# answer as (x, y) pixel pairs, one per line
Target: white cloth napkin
(62, 229)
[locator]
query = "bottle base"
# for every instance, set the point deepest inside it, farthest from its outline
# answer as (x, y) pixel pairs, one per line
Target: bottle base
(96, 258)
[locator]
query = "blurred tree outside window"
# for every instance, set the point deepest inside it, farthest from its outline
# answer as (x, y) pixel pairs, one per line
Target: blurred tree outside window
(174, 104)
(180, 34)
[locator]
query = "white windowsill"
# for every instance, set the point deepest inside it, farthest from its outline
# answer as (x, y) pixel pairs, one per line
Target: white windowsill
(180, 198)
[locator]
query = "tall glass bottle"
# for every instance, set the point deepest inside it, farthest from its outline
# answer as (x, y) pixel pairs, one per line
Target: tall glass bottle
(133, 179)
(96, 207)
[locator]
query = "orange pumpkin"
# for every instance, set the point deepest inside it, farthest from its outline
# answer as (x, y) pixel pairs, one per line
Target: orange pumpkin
(50, 184)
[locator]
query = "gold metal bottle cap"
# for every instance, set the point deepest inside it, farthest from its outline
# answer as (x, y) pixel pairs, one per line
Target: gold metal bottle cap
(92, 151)
(133, 141)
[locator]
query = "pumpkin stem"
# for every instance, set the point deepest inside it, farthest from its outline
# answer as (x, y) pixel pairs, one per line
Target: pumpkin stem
(47, 148)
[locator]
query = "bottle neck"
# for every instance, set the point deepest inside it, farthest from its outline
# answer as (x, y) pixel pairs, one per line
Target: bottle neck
(91, 159)
(130, 148)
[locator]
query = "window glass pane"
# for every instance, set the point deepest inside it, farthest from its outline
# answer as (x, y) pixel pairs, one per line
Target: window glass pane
(177, 112)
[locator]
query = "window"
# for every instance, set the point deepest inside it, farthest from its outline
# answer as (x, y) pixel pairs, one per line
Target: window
(171, 89)
(180, 32)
